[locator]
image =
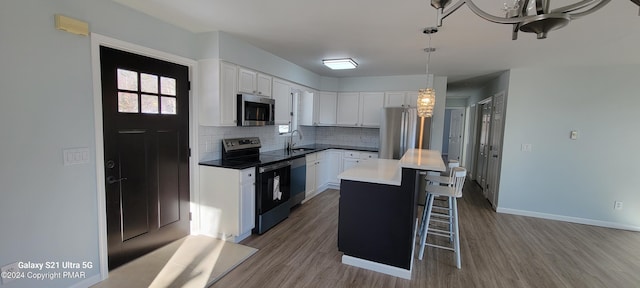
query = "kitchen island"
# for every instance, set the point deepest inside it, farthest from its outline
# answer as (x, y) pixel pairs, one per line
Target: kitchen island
(378, 211)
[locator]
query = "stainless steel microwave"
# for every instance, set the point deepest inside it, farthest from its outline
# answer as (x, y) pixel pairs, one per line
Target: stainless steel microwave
(255, 110)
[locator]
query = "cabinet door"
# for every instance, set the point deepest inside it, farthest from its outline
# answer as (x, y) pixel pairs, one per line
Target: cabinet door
(264, 85)
(247, 200)
(282, 95)
(247, 206)
(311, 178)
(349, 163)
(348, 109)
(308, 107)
(394, 99)
(228, 94)
(247, 81)
(334, 166)
(370, 108)
(412, 99)
(327, 108)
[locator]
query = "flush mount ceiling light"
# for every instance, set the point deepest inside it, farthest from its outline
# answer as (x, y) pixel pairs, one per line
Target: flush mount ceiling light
(340, 64)
(531, 16)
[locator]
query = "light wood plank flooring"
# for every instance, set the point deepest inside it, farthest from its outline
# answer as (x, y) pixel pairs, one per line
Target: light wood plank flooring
(498, 250)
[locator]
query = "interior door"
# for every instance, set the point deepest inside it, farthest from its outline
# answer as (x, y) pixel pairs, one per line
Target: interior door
(495, 151)
(483, 149)
(146, 130)
(456, 128)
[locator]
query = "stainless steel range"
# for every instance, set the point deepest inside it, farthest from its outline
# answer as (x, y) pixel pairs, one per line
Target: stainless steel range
(272, 179)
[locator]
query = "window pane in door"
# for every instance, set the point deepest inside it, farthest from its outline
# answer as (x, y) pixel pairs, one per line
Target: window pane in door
(149, 83)
(127, 102)
(168, 105)
(127, 80)
(168, 86)
(150, 104)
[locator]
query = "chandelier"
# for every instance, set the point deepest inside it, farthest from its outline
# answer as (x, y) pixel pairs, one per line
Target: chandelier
(427, 96)
(531, 16)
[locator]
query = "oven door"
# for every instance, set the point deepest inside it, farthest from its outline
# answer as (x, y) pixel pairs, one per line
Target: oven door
(255, 110)
(273, 186)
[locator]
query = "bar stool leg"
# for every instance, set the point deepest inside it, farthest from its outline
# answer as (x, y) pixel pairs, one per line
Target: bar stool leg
(425, 224)
(451, 218)
(456, 241)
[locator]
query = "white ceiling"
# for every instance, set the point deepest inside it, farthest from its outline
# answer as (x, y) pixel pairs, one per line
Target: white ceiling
(385, 37)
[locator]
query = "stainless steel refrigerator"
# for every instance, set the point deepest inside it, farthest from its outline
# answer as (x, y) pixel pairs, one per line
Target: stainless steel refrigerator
(400, 131)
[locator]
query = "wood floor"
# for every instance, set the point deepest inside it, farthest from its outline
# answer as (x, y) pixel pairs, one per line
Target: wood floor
(498, 250)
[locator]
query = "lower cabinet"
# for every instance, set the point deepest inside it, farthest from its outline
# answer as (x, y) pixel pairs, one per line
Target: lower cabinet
(227, 201)
(316, 174)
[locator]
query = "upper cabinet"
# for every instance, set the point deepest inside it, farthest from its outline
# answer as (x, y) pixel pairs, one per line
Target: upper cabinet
(309, 102)
(359, 109)
(327, 102)
(284, 104)
(401, 99)
(348, 110)
(218, 90)
(371, 104)
(253, 82)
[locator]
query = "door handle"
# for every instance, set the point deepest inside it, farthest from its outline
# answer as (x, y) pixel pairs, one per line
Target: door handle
(111, 179)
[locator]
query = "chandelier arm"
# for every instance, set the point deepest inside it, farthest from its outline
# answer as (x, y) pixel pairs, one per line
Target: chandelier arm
(452, 9)
(501, 20)
(590, 10)
(575, 6)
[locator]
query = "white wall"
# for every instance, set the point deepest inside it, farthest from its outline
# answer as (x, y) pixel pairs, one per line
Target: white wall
(576, 180)
(49, 211)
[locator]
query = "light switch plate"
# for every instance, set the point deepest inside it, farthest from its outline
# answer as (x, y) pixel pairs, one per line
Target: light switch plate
(573, 135)
(73, 156)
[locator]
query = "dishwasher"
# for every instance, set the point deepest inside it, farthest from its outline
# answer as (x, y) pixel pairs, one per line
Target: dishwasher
(298, 181)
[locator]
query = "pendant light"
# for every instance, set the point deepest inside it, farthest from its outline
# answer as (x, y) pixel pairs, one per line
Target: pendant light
(427, 96)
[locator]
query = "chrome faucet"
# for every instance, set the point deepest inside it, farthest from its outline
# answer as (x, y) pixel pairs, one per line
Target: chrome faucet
(291, 144)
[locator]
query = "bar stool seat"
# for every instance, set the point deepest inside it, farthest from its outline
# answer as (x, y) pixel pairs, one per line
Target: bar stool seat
(452, 192)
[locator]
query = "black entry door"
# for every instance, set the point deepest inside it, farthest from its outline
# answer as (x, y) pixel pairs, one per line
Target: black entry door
(145, 104)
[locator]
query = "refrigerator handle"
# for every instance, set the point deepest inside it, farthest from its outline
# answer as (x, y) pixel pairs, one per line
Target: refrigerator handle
(403, 132)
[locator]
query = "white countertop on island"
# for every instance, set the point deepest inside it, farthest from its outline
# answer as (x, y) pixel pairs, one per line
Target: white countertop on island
(388, 171)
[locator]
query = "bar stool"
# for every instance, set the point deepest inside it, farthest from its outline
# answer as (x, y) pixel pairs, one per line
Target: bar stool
(452, 192)
(446, 178)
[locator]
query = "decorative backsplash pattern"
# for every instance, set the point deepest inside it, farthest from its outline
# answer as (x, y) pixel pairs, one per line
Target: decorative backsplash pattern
(361, 137)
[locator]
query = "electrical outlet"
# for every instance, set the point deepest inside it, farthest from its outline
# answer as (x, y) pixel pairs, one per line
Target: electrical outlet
(617, 205)
(526, 147)
(11, 268)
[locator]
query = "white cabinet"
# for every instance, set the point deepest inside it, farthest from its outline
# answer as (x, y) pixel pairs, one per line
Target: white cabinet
(401, 99)
(327, 102)
(247, 200)
(227, 201)
(334, 166)
(253, 82)
(359, 109)
(317, 174)
(370, 108)
(283, 97)
(353, 158)
(218, 90)
(348, 109)
(309, 102)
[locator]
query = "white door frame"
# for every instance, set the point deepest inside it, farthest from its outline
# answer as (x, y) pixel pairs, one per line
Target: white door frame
(98, 40)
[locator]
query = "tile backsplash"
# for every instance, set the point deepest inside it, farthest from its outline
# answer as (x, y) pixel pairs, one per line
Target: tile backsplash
(361, 137)
(210, 138)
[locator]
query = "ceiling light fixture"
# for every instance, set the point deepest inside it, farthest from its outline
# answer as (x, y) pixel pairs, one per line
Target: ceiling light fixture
(427, 96)
(340, 64)
(531, 16)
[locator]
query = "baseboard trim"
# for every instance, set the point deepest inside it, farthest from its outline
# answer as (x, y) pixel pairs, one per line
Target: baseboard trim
(377, 267)
(568, 219)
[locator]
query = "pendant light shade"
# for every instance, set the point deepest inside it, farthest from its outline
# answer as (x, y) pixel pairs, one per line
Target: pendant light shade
(426, 102)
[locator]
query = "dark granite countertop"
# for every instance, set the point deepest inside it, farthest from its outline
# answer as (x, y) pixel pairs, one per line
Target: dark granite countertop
(274, 156)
